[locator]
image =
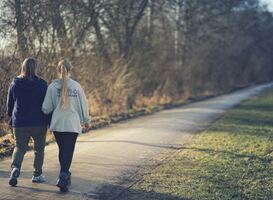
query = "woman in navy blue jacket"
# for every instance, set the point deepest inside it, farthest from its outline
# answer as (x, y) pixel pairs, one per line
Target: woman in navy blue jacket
(24, 103)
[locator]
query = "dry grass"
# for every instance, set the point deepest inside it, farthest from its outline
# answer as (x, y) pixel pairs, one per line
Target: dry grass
(116, 92)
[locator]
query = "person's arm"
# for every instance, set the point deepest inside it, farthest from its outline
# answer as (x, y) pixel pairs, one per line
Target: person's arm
(48, 116)
(48, 106)
(44, 89)
(10, 100)
(85, 117)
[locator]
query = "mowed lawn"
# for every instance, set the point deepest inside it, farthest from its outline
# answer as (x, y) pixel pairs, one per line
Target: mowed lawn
(233, 159)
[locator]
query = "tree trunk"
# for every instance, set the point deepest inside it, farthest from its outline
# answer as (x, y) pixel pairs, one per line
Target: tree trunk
(150, 19)
(131, 23)
(181, 32)
(102, 47)
(21, 38)
(59, 26)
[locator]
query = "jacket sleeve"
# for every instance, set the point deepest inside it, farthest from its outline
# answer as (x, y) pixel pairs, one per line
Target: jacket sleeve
(84, 111)
(10, 100)
(48, 106)
(44, 89)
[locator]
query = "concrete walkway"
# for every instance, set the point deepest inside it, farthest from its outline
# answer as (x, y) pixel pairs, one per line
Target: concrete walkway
(108, 160)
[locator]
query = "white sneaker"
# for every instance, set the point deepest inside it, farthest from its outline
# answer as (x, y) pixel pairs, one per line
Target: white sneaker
(38, 179)
(13, 176)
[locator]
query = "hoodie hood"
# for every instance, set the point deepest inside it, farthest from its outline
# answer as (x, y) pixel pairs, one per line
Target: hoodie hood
(24, 102)
(58, 83)
(24, 83)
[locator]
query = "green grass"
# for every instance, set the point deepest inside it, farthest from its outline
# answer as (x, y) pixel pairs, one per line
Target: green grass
(233, 159)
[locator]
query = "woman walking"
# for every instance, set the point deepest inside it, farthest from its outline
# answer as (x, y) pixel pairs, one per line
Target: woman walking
(66, 99)
(24, 102)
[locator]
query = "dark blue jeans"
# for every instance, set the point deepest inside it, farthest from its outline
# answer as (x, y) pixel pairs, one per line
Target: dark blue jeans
(66, 143)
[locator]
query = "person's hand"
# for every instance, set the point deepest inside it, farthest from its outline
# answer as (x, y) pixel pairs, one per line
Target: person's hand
(87, 126)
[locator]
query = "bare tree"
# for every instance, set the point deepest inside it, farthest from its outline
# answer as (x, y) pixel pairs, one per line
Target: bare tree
(58, 25)
(21, 38)
(121, 19)
(165, 49)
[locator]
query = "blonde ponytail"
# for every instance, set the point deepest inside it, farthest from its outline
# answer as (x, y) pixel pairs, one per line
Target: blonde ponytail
(64, 95)
(64, 67)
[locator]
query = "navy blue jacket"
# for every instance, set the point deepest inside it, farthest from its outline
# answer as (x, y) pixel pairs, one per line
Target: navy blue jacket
(24, 102)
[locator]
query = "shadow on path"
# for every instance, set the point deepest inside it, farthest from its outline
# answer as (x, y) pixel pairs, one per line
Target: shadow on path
(165, 146)
(115, 192)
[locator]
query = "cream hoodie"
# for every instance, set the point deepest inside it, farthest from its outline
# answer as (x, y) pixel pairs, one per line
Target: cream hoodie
(71, 118)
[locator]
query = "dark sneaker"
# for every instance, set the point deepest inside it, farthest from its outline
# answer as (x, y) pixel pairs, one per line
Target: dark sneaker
(15, 172)
(63, 182)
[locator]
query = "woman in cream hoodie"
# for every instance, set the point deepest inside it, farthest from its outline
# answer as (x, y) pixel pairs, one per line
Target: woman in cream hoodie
(66, 100)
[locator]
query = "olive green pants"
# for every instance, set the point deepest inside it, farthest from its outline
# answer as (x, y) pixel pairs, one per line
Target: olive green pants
(22, 136)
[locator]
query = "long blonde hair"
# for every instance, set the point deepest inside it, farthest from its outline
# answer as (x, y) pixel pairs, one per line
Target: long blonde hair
(64, 67)
(28, 68)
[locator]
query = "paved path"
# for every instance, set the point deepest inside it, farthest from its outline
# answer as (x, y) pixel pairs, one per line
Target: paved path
(106, 160)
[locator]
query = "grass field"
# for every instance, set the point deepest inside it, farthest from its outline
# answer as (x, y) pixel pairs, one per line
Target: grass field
(233, 159)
